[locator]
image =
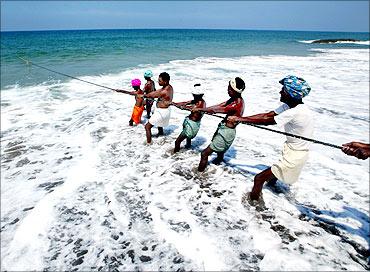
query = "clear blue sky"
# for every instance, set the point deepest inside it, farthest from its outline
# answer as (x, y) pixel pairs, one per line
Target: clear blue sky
(260, 15)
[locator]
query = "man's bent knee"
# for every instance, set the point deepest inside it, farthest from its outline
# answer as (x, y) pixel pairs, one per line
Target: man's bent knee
(259, 177)
(265, 175)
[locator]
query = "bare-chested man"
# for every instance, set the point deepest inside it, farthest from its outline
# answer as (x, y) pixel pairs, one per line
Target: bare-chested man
(191, 123)
(162, 112)
(225, 133)
(148, 88)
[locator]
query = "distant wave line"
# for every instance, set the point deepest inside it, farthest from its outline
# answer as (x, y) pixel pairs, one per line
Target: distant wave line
(337, 42)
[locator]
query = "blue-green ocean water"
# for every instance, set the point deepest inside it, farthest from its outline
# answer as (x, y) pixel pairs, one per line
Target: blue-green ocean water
(95, 52)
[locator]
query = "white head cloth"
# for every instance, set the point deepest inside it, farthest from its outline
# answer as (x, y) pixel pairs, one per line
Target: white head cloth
(232, 83)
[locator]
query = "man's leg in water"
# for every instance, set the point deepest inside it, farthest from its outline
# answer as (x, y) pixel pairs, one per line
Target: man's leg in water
(204, 159)
(188, 143)
(219, 158)
(148, 132)
(178, 142)
(148, 109)
(272, 182)
(259, 180)
(160, 131)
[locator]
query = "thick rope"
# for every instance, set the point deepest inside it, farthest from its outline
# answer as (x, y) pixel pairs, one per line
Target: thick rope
(183, 108)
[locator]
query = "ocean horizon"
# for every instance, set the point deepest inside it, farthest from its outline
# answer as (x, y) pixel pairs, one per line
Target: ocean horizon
(81, 191)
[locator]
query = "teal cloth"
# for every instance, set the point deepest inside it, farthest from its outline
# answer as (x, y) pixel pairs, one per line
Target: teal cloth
(223, 138)
(190, 128)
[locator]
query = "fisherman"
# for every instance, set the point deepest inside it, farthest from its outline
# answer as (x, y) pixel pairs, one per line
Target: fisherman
(139, 104)
(225, 133)
(162, 112)
(191, 124)
(148, 88)
(357, 149)
(297, 119)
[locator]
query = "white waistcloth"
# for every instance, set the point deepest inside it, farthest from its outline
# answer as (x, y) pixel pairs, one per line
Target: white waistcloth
(290, 164)
(161, 117)
(298, 121)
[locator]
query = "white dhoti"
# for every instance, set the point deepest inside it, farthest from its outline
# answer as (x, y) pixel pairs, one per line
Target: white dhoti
(290, 164)
(161, 117)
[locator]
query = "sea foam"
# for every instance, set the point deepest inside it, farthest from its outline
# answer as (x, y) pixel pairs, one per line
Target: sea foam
(81, 190)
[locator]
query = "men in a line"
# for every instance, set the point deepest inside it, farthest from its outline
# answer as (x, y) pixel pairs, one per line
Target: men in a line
(162, 112)
(357, 149)
(148, 88)
(191, 124)
(297, 119)
(139, 101)
(225, 133)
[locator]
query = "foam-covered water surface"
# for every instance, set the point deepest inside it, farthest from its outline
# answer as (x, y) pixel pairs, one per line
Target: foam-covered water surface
(82, 191)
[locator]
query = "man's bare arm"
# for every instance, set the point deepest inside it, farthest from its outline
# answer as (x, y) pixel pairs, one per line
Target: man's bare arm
(125, 92)
(181, 104)
(261, 118)
(154, 94)
(357, 149)
(220, 108)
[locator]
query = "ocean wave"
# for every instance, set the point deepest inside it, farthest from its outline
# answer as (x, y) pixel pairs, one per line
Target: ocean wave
(335, 42)
(206, 66)
(306, 41)
(359, 42)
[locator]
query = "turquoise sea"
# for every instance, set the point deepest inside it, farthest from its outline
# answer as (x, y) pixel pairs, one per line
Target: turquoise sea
(95, 52)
